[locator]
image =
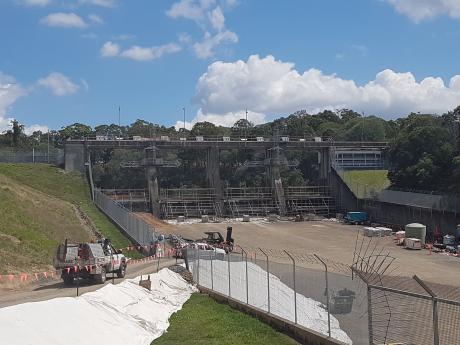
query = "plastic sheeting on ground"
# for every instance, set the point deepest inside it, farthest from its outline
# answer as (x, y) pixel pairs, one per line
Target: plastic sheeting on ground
(122, 314)
(310, 313)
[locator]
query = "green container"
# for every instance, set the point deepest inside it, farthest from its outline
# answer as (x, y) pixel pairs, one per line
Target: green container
(416, 230)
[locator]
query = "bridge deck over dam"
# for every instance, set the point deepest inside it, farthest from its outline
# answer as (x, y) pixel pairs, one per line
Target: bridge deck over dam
(221, 143)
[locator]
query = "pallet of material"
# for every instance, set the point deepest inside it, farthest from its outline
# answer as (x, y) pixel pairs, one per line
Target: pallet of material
(376, 232)
(412, 243)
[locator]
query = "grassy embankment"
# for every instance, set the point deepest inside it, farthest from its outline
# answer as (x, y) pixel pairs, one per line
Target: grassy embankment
(205, 322)
(366, 181)
(38, 210)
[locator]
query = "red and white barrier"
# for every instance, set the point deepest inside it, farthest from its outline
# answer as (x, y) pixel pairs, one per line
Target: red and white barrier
(56, 274)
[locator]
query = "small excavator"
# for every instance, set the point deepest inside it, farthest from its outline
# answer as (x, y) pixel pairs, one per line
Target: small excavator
(216, 239)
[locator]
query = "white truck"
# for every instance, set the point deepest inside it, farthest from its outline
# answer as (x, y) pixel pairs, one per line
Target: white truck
(89, 261)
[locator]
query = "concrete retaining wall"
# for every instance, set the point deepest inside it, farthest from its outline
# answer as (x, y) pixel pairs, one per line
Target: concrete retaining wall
(297, 332)
(75, 157)
(345, 199)
(393, 213)
(401, 215)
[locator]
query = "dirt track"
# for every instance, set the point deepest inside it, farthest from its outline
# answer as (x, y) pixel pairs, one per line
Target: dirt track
(333, 240)
(57, 289)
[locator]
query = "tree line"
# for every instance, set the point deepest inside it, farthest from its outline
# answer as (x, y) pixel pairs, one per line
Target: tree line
(424, 151)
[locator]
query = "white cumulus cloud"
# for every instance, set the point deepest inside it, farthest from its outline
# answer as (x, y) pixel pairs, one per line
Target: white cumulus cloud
(217, 19)
(190, 9)
(64, 20)
(270, 86)
(227, 119)
(210, 18)
(418, 10)
(35, 128)
(10, 92)
(206, 47)
(150, 53)
(110, 49)
(59, 84)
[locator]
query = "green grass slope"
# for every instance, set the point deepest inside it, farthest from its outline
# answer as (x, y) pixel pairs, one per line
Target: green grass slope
(37, 211)
(363, 182)
(205, 322)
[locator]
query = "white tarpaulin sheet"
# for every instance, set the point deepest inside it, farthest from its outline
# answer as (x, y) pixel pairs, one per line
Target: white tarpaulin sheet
(310, 313)
(123, 314)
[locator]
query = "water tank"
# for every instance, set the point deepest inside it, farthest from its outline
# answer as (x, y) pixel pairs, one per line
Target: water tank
(416, 230)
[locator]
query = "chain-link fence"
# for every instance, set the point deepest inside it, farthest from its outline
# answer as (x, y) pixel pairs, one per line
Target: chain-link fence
(306, 289)
(137, 229)
(53, 156)
(410, 311)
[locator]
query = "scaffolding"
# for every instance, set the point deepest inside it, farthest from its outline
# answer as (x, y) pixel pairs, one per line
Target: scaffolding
(255, 201)
(132, 199)
(191, 202)
(309, 200)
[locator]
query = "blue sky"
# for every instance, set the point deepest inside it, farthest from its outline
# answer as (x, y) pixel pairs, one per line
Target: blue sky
(65, 61)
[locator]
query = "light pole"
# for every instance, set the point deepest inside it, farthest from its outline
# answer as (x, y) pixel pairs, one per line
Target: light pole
(48, 156)
(184, 118)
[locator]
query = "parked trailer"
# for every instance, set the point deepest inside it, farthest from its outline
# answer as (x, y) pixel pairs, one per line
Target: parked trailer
(89, 261)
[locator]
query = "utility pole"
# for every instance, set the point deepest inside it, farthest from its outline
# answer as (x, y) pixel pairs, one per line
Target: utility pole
(119, 116)
(247, 123)
(362, 129)
(48, 146)
(184, 118)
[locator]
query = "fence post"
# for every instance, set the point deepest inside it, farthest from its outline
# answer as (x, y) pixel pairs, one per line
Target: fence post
(228, 263)
(327, 296)
(435, 309)
(198, 269)
(268, 279)
(212, 272)
(295, 290)
(369, 314)
(369, 305)
(247, 283)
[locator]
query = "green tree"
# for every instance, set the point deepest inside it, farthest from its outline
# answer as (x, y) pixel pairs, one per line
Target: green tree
(347, 115)
(206, 129)
(17, 132)
(75, 131)
(366, 129)
(242, 128)
(421, 158)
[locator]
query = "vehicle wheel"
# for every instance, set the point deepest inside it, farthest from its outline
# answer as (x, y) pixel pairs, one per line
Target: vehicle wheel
(122, 270)
(100, 278)
(68, 279)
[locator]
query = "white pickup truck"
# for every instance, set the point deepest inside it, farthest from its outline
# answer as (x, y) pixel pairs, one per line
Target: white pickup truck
(89, 261)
